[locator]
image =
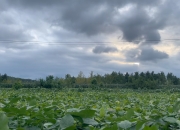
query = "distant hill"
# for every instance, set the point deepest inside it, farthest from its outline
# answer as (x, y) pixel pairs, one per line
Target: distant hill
(9, 79)
(21, 79)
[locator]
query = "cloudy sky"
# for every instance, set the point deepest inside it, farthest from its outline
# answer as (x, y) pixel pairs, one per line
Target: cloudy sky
(56, 37)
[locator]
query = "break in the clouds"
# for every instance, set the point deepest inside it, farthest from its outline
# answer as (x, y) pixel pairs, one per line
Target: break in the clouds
(38, 38)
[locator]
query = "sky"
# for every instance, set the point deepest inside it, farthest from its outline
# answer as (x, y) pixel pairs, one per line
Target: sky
(57, 37)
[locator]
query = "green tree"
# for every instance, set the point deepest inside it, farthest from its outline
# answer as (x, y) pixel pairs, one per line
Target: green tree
(3, 78)
(49, 81)
(94, 82)
(17, 85)
(136, 75)
(68, 80)
(41, 83)
(126, 77)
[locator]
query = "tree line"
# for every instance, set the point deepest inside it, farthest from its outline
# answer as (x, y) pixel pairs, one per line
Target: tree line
(148, 80)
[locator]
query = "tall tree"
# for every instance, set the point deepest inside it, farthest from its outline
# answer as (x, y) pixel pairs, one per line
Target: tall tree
(126, 77)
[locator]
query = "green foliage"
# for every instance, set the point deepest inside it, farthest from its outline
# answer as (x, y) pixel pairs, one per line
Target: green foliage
(101, 85)
(124, 124)
(136, 80)
(45, 109)
(49, 81)
(17, 85)
(94, 82)
(3, 78)
(3, 122)
(66, 122)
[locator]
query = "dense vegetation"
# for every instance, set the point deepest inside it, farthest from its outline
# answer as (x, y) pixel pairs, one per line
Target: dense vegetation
(148, 80)
(89, 103)
(49, 109)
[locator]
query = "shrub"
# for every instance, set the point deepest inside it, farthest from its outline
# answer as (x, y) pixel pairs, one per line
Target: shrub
(17, 85)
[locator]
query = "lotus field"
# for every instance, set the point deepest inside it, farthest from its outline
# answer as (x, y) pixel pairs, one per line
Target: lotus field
(42, 109)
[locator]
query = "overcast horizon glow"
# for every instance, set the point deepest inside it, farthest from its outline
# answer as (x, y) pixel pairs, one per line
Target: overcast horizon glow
(40, 38)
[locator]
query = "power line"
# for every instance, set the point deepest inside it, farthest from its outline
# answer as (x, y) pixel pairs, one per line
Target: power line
(85, 42)
(91, 42)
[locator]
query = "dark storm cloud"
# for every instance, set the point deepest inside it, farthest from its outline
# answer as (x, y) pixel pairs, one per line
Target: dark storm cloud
(37, 4)
(102, 17)
(104, 49)
(149, 54)
(80, 21)
(136, 26)
(146, 54)
(96, 17)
